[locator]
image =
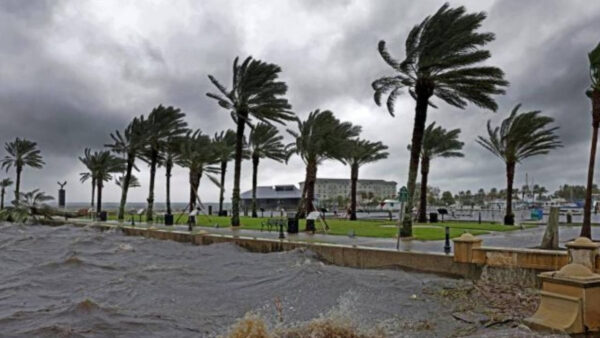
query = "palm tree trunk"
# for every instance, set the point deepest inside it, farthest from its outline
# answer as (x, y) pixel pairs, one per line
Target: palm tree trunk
(18, 183)
(168, 168)
(237, 169)
(125, 187)
(2, 199)
(255, 161)
(353, 183)
(93, 191)
(222, 188)
(301, 212)
(586, 230)
(423, 197)
(509, 218)
(194, 181)
(150, 200)
(423, 92)
(99, 199)
(310, 192)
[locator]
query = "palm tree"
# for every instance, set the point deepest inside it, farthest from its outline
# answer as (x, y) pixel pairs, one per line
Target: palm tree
(5, 183)
(198, 155)
(28, 206)
(103, 165)
(21, 153)
(255, 93)
(88, 175)
(360, 152)
(320, 137)
(437, 142)
(130, 145)
(441, 53)
(520, 136)
(162, 123)
(265, 142)
(224, 143)
(594, 94)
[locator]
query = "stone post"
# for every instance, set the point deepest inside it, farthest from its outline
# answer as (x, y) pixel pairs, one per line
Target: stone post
(583, 251)
(463, 247)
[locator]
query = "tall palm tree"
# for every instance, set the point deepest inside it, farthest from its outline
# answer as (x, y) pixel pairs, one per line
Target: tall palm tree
(320, 137)
(161, 124)
(255, 93)
(441, 56)
(520, 136)
(437, 142)
(198, 155)
(264, 142)
(130, 145)
(21, 153)
(5, 183)
(103, 165)
(88, 175)
(594, 94)
(361, 152)
(224, 143)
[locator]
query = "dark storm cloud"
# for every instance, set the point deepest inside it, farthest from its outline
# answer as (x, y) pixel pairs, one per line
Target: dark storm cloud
(73, 71)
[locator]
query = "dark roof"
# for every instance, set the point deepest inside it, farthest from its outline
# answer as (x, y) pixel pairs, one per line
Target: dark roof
(276, 192)
(344, 180)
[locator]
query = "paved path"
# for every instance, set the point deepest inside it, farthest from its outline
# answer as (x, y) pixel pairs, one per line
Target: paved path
(527, 238)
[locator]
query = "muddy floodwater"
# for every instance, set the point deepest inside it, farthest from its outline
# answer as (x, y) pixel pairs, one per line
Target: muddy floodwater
(72, 282)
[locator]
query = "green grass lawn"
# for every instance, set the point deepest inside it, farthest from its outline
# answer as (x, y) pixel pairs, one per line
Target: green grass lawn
(366, 228)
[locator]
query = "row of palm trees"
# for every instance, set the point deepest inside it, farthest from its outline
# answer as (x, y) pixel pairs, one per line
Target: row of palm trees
(443, 59)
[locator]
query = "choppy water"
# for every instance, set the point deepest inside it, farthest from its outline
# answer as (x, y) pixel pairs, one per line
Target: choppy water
(69, 281)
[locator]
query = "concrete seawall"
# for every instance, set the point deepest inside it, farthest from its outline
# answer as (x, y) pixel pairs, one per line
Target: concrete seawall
(342, 255)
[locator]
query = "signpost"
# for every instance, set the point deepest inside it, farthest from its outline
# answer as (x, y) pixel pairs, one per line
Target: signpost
(402, 197)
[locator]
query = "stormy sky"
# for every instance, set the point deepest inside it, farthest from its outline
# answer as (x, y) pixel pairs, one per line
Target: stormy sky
(71, 72)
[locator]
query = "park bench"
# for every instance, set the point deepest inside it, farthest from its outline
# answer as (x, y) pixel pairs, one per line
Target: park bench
(272, 223)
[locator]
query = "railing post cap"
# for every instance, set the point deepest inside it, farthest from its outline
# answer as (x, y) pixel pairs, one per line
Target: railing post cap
(467, 238)
(582, 243)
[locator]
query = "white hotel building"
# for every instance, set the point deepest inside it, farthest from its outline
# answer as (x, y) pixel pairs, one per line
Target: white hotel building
(331, 188)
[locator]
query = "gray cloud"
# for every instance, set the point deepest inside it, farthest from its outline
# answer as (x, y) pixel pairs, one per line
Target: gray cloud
(74, 71)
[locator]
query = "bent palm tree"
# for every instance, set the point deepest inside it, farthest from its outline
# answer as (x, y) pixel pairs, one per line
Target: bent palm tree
(198, 155)
(441, 53)
(103, 165)
(594, 94)
(130, 144)
(224, 143)
(162, 124)
(437, 142)
(265, 142)
(361, 152)
(88, 175)
(21, 153)
(320, 137)
(255, 93)
(520, 136)
(5, 183)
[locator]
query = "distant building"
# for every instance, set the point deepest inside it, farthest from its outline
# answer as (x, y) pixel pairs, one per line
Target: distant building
(273, 197)
(332, 188)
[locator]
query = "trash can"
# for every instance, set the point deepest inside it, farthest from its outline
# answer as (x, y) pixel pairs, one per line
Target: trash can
(169, 219)
(310, 225)
(433, 217)
(102, 216)
(223, 213)
(292, 225)
(210, 210)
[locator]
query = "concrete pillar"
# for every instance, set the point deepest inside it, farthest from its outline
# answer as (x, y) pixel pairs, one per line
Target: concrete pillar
(583, 251)
(463, 247)
(569, 301)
